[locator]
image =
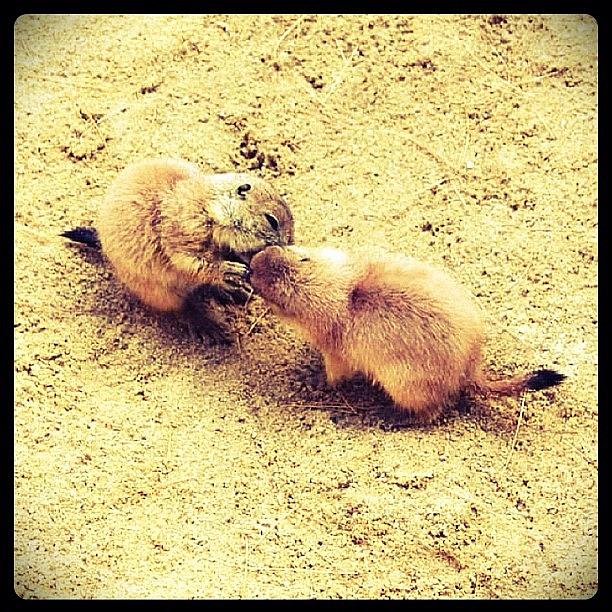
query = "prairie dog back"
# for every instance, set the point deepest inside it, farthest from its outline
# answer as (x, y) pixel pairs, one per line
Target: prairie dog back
(128, 226)
(404, 310)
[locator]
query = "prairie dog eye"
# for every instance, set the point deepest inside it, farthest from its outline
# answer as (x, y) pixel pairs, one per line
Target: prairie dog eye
(305, 259)
(273, 221)
(241, 191)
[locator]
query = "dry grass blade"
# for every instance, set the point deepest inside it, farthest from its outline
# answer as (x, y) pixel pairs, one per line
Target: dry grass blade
(256, 322)
(245, 568)
(340, 75)
(345, 407)
(435, 156)
(349, 406)
(518, 425)
(293, 26)
(30, 232)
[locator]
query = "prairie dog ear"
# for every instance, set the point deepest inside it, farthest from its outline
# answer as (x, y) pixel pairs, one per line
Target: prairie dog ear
(241, 190)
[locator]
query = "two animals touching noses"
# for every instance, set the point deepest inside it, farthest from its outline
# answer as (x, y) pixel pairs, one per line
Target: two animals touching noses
(180, 239)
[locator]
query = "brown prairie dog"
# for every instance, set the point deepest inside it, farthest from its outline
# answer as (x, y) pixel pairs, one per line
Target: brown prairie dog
(405, 324)
(176, 236)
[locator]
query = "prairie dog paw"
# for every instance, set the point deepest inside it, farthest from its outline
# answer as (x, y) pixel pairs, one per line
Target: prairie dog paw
(235, 286)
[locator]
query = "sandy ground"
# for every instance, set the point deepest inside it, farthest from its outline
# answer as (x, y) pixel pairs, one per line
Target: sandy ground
(151, 466)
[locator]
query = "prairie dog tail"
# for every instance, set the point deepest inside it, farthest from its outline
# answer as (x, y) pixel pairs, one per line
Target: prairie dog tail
(86, 235)
(534, 381)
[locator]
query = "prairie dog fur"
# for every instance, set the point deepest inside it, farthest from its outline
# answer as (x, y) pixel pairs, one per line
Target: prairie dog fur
(176, 236)
(405, 324)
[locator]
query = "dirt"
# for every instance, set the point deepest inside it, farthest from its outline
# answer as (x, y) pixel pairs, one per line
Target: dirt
(148, 465)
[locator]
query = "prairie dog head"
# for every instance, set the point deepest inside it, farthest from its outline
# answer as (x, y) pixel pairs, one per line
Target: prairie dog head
(249, 214)
(309, 281)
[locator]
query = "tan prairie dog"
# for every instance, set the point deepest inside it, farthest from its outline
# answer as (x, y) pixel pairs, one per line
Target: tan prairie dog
(405, 324)
(177, 237)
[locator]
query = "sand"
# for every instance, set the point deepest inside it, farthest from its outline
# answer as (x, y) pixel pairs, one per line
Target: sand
(148, 465)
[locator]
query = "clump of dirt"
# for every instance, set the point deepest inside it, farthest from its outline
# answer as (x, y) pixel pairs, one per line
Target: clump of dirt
(151, 466)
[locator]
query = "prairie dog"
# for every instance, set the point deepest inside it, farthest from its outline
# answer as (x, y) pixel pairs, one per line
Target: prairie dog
(177, 237)
(405, 324)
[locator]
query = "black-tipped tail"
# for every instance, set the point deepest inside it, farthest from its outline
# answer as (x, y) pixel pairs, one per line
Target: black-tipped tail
(86, 235)
(542, 379)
